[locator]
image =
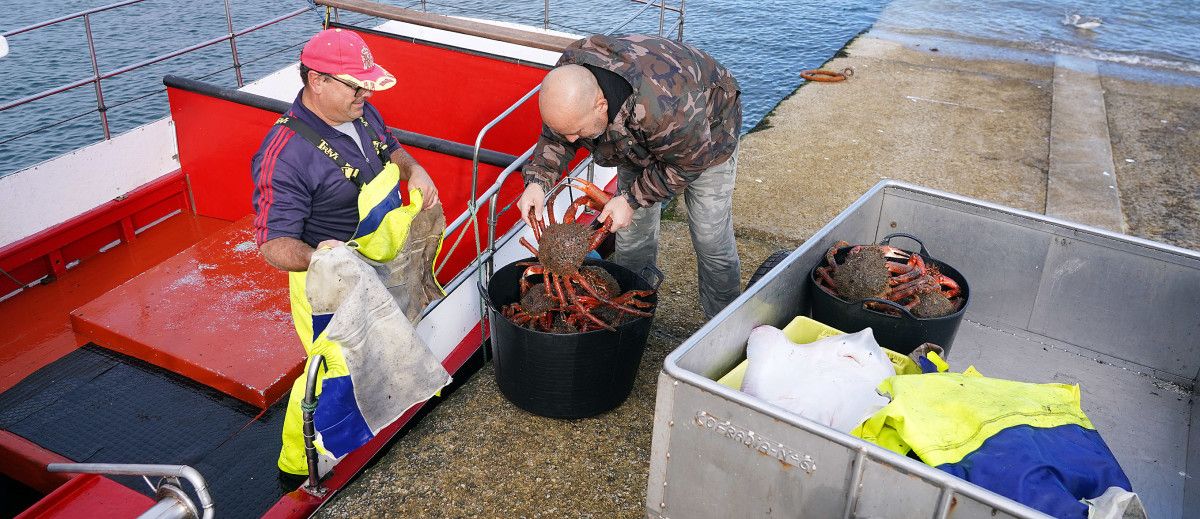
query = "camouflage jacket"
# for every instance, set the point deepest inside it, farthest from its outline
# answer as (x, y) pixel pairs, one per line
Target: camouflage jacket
(682, 118)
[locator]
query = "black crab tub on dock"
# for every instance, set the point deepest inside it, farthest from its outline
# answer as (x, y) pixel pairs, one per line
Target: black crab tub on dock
(573, 375)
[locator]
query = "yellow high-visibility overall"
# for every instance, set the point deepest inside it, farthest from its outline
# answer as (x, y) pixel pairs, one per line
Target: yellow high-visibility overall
(383, 228)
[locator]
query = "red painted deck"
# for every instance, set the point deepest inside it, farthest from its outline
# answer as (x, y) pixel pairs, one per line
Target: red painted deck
(37, 321)
(215, 313)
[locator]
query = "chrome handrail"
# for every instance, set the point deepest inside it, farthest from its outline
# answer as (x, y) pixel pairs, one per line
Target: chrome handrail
(472, 206)
(175, 498)
(308, 407)
(98, 77)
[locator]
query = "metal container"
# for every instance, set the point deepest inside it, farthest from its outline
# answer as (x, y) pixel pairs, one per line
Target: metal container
(1053, 302)
(900, 333)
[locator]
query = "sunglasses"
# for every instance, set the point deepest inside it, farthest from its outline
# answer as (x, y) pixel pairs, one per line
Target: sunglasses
(358, 91)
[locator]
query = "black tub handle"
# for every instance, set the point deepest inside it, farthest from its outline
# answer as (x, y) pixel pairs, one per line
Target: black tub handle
(652, 271)
(888, 302)
(887, 240)
(485, 296)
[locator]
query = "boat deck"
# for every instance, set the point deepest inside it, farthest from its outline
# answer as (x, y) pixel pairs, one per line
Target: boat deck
(215, 296)
(97, 406)
(38, 319)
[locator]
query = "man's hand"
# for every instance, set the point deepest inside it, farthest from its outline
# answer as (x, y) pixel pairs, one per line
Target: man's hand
(420, 179)
(533, 197)
(291, 254)
(619, 212)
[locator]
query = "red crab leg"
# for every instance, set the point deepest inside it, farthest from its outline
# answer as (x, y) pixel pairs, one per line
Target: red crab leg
(619, 304)
(550, 206)
(593, 198)
(914, 269)
(547, 321)
(920, 286)
(823, 272)
(529, 246)
(829, 254)
(951, 287)
(599, 235)
(533, 270)
(613, 303)
(628, 298)
(573, 209)
(892, 252)
(597, 198)
(583, 311)
(558, 287)
(580, 323)
(536, 224)
(874, 305)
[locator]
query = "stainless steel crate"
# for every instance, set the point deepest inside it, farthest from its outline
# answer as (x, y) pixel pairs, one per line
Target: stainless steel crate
(1051, 302)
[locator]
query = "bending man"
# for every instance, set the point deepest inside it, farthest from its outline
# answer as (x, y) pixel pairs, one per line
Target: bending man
(667, 116)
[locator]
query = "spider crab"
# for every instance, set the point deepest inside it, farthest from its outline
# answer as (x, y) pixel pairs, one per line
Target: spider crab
(572, 296)
(885, 272)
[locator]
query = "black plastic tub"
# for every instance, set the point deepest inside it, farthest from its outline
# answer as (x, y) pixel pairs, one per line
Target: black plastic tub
(902, 333)
(565, 375)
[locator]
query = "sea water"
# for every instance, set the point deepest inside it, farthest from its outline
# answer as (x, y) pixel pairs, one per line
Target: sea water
(765, 43)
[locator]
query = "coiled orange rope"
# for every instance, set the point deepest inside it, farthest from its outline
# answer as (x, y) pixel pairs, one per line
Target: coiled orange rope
(827, 76)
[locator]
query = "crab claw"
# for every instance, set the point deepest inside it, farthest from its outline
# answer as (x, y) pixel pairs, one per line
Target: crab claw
(892, 252)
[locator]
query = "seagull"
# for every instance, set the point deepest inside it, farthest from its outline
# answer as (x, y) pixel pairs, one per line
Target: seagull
(3, 46)
(1079, 22)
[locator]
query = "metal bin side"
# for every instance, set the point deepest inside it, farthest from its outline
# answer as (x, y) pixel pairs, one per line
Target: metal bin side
(1053, 302)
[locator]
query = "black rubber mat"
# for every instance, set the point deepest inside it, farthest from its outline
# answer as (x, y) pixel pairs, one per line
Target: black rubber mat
(98, 406)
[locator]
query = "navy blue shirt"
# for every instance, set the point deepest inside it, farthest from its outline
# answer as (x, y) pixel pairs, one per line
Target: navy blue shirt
(299, 192)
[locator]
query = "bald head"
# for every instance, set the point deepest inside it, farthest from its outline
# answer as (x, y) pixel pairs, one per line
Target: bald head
(572, 103)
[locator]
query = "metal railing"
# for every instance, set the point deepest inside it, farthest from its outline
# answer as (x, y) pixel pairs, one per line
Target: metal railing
(98, 77)
(173, 502)
(308, 407)
(663, 8)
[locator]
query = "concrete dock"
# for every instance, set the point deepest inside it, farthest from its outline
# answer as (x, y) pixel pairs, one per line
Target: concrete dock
(1052, 137)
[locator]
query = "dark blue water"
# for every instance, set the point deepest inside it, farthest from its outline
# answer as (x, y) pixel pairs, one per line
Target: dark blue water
(765, 43)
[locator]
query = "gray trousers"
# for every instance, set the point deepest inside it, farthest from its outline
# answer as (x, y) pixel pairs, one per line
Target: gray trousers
(709, 202)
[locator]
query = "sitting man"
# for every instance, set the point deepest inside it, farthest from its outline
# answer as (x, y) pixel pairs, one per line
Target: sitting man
(308, 175)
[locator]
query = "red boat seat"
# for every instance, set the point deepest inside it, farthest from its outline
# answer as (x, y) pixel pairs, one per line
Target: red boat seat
(215, 313)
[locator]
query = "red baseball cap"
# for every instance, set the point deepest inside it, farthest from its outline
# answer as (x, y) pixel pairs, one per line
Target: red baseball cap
(344, 54)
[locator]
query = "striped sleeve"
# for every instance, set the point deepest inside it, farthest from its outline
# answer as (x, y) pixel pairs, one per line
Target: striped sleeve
(281, 201)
